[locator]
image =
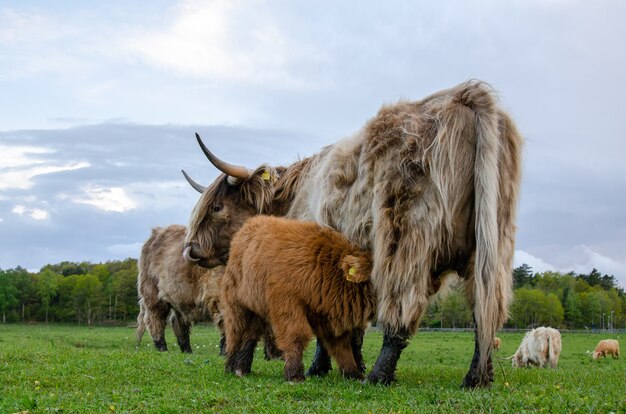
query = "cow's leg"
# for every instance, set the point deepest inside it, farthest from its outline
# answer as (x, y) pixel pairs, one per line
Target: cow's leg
(341, 349)
(269, 342)
(181, 328)
(384, 370)
(475, 377)
(241, 338)
(321, 361)
(156, 321)
(293, 333)
(356, 343)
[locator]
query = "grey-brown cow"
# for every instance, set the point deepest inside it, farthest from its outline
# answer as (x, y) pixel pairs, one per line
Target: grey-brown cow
(428, 187)
(167, 282)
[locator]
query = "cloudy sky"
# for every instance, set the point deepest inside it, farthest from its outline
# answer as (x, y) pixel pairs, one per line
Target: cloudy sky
(100, 102)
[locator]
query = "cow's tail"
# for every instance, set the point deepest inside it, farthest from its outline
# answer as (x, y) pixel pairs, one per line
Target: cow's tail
(141, 324)
(497, 174)
(551, 351)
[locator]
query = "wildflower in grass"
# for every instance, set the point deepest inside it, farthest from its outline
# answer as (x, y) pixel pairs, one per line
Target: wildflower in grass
(37, 383)
(112, 408)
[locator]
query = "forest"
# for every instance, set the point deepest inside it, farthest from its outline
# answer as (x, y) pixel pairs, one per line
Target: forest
(106, 294)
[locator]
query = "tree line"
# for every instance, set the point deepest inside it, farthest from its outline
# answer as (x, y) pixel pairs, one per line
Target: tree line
(106, 293)
(561, 300)
(82, 293)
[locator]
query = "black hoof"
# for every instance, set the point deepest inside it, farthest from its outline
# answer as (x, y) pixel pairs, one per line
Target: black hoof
(476, 381)
(317, 371)
(377, 377)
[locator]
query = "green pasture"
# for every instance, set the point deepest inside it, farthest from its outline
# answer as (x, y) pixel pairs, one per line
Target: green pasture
(70, 369)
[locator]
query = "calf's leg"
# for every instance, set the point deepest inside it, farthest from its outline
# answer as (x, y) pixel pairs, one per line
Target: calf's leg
(356, 343)
(293, 333)
(242, 334)
(341, 349)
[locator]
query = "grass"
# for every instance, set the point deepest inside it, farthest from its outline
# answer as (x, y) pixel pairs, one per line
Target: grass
(73, 369)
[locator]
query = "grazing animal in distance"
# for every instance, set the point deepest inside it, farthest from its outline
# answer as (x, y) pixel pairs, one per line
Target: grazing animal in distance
(540, 347)
(497, 343)
(429, 187)
(167, 283)
(606, 347)
(303, 280)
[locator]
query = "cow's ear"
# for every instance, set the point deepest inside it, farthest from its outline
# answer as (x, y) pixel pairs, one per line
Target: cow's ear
(355, 269)
(258, 189)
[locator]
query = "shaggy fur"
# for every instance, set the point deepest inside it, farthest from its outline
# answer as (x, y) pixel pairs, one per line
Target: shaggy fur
(167, 282)
(540, 347)
(303, 280)
(606, 347)
(429, 187)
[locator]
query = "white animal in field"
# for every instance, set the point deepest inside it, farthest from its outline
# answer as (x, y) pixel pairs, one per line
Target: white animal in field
(540, 347)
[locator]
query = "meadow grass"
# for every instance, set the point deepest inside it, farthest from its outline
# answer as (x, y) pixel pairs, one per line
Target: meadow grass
(72, 369)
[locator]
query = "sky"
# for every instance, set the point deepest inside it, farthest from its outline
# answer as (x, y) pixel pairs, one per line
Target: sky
(100, 102)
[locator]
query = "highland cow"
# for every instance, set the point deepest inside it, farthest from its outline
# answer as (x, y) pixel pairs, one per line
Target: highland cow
(606, 347)
(497, 343)
(303, 280)
(428, 187)
(540, 347)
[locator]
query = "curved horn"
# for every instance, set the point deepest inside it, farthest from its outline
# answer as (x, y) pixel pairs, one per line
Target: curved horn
(229, 169)
(194, 184)
(187, 255)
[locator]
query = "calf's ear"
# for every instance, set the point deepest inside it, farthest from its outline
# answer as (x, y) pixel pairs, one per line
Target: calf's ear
(355, 269)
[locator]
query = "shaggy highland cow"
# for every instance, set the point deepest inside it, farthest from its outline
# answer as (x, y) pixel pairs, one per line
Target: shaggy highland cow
(302, 279)
(168, 283)
(606, 347)
(428, 187)
(540, 347)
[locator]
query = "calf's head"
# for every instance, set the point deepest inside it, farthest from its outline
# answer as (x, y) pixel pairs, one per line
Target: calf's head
(223, 207)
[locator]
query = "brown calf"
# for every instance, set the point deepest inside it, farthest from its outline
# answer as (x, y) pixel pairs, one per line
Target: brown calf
(302, 279)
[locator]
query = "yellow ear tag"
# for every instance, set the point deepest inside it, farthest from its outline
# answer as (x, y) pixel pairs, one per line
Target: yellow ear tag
(352, 271)
(266, 176)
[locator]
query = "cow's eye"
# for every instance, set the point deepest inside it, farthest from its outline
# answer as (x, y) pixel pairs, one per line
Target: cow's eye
(217, 208)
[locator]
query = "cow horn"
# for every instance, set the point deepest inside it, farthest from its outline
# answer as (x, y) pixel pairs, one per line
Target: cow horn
(199, 188)
(187, 255)
(229, 169)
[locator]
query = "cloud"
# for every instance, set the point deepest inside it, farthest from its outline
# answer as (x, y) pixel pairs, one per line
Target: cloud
(223, 40)
(22, 178)
(108, 199)
(35, 213)
(582, 258)
(537, 264)
(589, 259)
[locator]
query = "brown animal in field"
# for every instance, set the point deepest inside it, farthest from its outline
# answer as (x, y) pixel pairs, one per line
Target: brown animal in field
(428, 187)
(302, 279)
(497, 343)
(168, 283)
(606, 347)
(540, 347)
